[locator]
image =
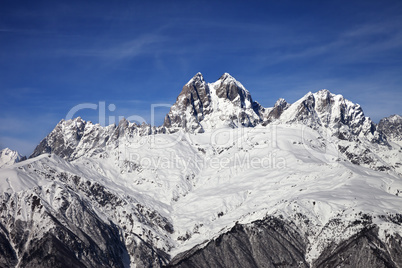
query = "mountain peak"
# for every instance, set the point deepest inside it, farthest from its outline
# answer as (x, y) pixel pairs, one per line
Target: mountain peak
(280, 102)
(392, 127)
(9, 157)
(226, 76)
(226, 98)
(324, 92)
(395, 118)
(196, 78)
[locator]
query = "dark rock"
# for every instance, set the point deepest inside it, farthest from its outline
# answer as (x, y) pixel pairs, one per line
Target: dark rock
(364, 249)
(267, 243)
(391, 126)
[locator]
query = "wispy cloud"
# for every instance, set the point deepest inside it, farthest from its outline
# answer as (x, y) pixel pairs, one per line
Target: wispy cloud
(360, 43)
(118, 51)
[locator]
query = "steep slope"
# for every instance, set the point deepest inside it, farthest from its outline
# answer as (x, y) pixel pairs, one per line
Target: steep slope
(52, 214)
(273, 242)
(270, 242)
(203, 184)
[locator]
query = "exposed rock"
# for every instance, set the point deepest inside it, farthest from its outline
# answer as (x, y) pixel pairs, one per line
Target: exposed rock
(202, 106)
(266, 243)
(364, 249)
(392, 127)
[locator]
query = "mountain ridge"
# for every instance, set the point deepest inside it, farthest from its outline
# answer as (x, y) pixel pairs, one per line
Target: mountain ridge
(203, 106)
(228, 182)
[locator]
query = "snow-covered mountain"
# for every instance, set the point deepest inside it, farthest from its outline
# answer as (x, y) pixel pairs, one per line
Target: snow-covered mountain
(202, 106)
(223, 182)
(9, 157)
(340, 116)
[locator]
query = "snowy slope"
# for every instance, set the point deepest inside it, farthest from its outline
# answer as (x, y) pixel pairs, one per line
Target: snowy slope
(220, 161)
(9, 157)
(202, 184)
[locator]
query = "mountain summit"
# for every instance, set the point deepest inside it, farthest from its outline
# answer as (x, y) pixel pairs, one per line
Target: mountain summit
(201, 106)
(204, 106)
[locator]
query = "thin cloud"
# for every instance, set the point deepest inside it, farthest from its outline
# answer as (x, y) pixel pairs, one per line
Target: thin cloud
(121, 51)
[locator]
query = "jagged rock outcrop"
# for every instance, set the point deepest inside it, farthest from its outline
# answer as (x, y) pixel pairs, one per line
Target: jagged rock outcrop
(364, 249)
(340, 116)
(267, 243)
(202, 106)
(392, 127)
(274, 113)
(273, 242)
(73, 138)
(191, 106)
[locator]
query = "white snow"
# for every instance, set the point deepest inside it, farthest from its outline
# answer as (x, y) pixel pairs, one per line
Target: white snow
(9, 157)
(205, 183)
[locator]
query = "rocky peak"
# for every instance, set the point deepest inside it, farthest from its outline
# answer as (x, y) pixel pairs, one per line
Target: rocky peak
(73, 138)
(198, 78)
(201, 105)
(274, 113)
(392, 127)
(63, 139)
(196, 93)
(229, 88)
(342, 117)
(191, 105)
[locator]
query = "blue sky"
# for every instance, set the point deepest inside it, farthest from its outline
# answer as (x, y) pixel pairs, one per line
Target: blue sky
(55, 55)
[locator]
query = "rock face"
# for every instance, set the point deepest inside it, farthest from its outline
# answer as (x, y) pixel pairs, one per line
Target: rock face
(63, 139)
(273, 114)
(192, 105)
(365, 249)
(76, 137)
(267, 243)
(341, 117)
(275, 243)
(201, 106)
(392, 127)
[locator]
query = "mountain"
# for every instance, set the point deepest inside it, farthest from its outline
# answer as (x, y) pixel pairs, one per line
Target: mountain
(9, 157)
(223, 182)
(201, 106)
(75, 138)
(333, 112)
(392, 127)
